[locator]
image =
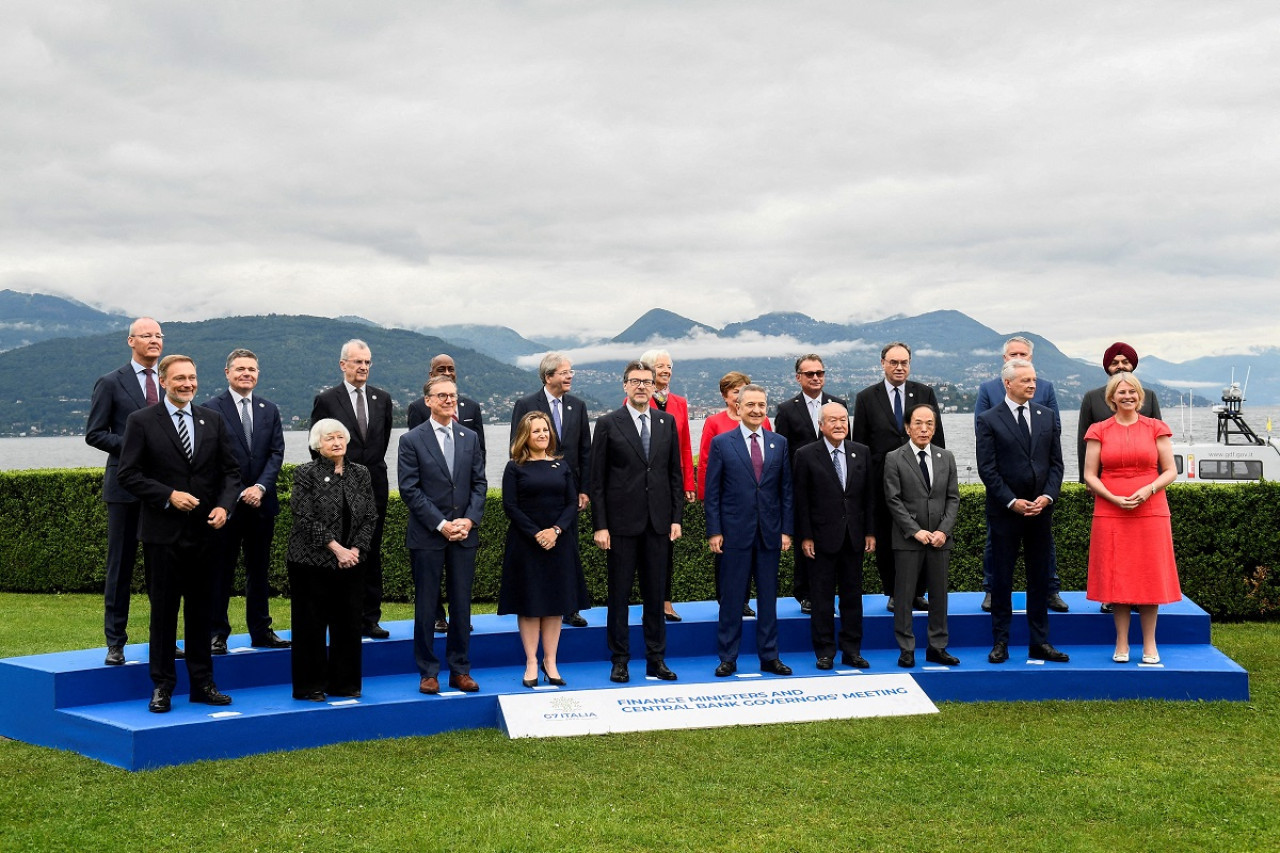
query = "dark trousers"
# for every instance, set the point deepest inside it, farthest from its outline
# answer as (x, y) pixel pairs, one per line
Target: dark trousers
(249, 531)
(180, 575)
(1034, 536)
(911, 565)
(325, 600)
(428, 568)
(737, 567)
(801, 578)
(644, 556)
(1055, 584)
(372, 574)
(122, 554)
(840, 570)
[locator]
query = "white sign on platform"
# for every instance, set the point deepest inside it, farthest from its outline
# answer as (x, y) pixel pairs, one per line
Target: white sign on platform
(699, 706)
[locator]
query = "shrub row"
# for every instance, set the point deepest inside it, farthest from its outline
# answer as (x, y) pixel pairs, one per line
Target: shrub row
(1226, 538)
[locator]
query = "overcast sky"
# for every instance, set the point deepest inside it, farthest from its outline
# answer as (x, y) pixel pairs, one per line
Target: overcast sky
(1086, 170)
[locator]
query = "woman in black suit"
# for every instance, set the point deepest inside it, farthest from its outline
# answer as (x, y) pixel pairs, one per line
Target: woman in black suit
(333, 519)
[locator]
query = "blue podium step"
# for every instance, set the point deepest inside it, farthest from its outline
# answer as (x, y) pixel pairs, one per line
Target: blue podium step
(70, 700)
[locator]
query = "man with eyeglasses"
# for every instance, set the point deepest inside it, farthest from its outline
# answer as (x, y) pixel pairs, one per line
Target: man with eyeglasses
(637, 498)
(442, 483)
(366, 413)
(573, 432)
(798, 421)
(879, 421)
(116, 395)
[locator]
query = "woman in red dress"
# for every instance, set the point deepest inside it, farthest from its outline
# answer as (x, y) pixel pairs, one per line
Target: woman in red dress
(1128, 462)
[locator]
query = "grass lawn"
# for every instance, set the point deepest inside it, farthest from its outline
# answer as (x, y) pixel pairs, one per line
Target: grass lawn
(1053, 776)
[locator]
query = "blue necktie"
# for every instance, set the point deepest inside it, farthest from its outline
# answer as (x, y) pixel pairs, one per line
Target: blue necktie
(897, 407)
(835, 460)
(644, 434)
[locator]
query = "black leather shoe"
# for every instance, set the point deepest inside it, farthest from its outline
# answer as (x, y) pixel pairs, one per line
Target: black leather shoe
(999, 653)
(161, 701)
(747, 611)
(672, 616)
(178, 653)
(442, 626)
(218, 646)
(775, 666)
(575, 620)
(619, 673)
(1057, 605)
(826, 663)
(941, 656)
(920, 603)
(208, 694)
(855, 661)
(986, 603)
(806, 606)
(115, 656)
(889, 606)
(906, 658)
(376, 631)
(726, 669)
(658, 669)
(1044, 651)
(1106, 608)
(314, 696)
(271, 640)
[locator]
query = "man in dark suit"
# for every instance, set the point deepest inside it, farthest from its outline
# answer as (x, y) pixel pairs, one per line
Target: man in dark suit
(469, 415)
(750, 511)
(116, 395)
(1020, 461)
(177, 459)
(366, 413)
(442, 484)
(923, 494)
(990, 393)
(835, 522)
(573, 432)
(637, 497)
(258, 443)
(879, 423)
(798, 422)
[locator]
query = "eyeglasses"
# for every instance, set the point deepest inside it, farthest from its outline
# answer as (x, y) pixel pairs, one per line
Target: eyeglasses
(149, 336)
(641, 383)
(906, 362)
(444, 398)
(564, 374)
(813, 374)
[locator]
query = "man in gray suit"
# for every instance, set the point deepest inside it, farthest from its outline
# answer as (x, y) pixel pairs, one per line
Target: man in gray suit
(922, 493)
(442, 483)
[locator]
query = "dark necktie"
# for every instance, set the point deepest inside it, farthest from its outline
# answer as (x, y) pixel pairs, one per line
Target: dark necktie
(184, 435)
(924, 469)
(1024, 428)
(246, 421)
(644, 434)
(555, 416)
(362, 415)
(153, 395)
(897, 407)
(757, 456)
(839, 463)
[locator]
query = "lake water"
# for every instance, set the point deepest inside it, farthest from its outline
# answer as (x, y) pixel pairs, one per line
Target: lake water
(72, 452)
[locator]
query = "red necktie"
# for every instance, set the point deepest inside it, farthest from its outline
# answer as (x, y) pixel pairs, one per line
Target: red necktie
(757, 457)
(152, 396)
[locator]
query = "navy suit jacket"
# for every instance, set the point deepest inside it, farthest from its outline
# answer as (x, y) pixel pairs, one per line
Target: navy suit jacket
(793, 423)
(1007, 469)
(370, 451)
(631, 494)
(745, 512)
(825, 513)
(261, 464)
(469, 415)
(153, 465)
(992, 392)
(574, 445)
(116, 395)
(431, 495)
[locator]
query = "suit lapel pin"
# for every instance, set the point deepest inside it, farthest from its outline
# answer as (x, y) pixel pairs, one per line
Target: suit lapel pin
(373, 396)
(202, 422)
(852, 455)
(262, 405)
(326, 479)
(771, 445)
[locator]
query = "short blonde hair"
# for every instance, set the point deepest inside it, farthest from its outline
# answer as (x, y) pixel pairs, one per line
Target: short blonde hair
(326, 426)
(1115, 380)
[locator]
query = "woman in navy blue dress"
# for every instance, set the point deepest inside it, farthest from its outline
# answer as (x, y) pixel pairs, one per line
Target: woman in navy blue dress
(541, 576)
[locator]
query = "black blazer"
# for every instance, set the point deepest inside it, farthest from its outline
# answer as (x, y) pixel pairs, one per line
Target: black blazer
(874, 424)
(370, 451)
(630, 494)
(826, 514)
(317, 500)
(261, 465)
(153, 465)
(116, 395)
(575, 444)
(793, 423)
(469, 415)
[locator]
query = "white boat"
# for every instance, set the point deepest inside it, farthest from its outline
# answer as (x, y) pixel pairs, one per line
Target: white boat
(1238, 454)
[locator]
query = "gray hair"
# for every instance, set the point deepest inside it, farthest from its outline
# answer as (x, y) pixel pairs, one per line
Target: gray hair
(752, 387)
(650, 356)
(1012, 366)
(355, 343)
(1019, 339)
(549, 365)
(326, 426)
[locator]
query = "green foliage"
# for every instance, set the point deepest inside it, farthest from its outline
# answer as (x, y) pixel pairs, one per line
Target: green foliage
(1225, 537)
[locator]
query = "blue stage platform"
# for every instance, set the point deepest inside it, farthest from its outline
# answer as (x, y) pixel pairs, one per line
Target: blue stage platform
(70, 700)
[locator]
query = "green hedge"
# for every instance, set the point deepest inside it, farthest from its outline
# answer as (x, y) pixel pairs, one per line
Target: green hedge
(1226, 537)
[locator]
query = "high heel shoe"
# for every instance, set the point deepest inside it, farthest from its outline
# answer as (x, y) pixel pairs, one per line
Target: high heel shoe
(558, 682)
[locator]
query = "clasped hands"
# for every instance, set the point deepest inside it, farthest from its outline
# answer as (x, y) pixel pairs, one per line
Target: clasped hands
(935, 539)
(348, 558)
(546, 538)
(456, 530)
(1030, 508)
